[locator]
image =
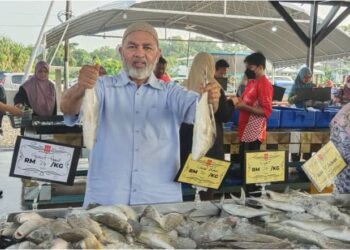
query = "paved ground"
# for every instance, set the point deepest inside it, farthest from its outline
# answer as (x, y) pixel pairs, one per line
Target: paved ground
(11, 198)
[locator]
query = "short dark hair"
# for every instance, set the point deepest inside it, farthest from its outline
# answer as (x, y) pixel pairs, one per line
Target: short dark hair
(221, 64)
(162, 60)
(257, 59)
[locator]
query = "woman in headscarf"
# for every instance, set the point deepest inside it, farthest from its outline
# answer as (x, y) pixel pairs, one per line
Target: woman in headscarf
(343, 96)
(340, 136)
(38, 92)
(302, 81)
(203, 63)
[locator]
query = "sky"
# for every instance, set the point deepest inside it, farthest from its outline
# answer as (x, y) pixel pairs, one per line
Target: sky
(21, 21)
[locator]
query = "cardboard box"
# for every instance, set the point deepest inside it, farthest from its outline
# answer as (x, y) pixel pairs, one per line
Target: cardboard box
(305, 148)
(305, 137)
(294, 137)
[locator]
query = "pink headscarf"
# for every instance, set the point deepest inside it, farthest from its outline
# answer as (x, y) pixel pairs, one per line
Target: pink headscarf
(41, 93)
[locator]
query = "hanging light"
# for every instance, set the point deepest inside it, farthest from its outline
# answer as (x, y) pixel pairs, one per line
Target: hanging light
(274, 28)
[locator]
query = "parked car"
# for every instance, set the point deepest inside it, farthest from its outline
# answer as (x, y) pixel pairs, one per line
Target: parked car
(12, 81)
(285, 82)
(2, 77)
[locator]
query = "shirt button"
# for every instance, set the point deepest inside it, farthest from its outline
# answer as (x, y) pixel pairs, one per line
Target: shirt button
(136, 149)
(137, 112)
(137, 131)
(136, 170)
(134, 190)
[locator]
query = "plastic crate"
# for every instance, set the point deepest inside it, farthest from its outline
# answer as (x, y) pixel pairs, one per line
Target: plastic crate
(274, 119)
(324, 117)
(21, 121)
(272, 122)
(297, 118)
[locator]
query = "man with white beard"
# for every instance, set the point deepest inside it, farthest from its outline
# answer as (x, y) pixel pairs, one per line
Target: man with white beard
(136, 154)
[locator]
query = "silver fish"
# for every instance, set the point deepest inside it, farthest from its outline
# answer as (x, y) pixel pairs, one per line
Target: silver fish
(90, 117)
(114, 222)
(213, 230)
(85, 222)
(284, 206)
(27, 227)
(204, 130)
(327, 228)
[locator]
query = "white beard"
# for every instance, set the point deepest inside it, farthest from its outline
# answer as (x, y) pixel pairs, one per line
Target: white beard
(138, 74)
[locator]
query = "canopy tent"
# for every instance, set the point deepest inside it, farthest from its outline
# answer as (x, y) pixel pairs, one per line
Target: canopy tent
(244, 22)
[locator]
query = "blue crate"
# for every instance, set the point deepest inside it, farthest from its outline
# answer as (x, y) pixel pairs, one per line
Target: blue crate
(272, 122)
(297, 118)
(324, 117)
(234, 117)
(274, 119)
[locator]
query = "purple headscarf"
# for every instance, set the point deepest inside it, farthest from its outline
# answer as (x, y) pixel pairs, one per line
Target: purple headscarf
(41, 93)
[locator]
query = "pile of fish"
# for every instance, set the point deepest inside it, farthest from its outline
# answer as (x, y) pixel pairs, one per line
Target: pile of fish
(272, 221)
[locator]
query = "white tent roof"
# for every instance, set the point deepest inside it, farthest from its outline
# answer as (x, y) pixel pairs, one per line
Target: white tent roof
(245, 22)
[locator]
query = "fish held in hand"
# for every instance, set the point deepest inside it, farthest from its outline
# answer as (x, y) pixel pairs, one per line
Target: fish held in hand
(90, 117)
(204, 130)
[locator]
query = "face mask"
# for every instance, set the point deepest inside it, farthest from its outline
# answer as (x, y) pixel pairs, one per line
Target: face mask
(250, 74)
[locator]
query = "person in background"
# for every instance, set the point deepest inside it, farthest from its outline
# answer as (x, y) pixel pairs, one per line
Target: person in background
(221, 67)
(14, 111)
(242, 85)
(203, 62)
(4, 101)
(302, 81)
(160, 70)
(38, 92)
(255, 107)
(340, 136)
(136, 155)
(343, 95)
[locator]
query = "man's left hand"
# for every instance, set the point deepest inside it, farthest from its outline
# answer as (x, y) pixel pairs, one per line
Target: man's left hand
(213, 94)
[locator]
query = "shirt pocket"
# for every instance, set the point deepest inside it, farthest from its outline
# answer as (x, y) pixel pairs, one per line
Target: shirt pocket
(158, 125)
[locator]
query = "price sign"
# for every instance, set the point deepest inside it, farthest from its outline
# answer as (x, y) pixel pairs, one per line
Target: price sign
(44, 160)
(265, 166)
(206, 172)
(324, 166)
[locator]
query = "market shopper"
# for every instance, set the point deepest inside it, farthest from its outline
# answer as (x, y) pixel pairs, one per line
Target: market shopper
(221, 67)
(160, 70)
(203, 64)
(38, 92)
(343, 95)
(302, 81)
(340, 136)
(255, 107)
(136, 155)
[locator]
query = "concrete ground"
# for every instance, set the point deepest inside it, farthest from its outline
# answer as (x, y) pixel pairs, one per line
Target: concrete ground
(11, 186)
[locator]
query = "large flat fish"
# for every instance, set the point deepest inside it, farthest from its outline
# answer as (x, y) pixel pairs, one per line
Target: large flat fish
(90, 117)
(204, 131)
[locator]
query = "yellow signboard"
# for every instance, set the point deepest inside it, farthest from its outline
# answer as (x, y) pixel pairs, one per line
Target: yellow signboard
(266, 166)
(322, 167)
(206, 172)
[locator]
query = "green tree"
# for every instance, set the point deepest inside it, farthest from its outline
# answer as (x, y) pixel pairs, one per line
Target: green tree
(13, 56)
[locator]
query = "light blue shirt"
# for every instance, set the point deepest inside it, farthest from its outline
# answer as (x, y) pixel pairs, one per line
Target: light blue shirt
(137, 153)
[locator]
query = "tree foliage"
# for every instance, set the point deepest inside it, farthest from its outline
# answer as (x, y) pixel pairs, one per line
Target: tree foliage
(13, 56)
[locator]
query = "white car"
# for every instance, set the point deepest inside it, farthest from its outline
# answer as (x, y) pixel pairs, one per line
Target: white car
(12, 81)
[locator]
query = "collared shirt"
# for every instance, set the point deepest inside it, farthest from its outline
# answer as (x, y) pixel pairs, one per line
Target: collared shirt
(136, 155)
